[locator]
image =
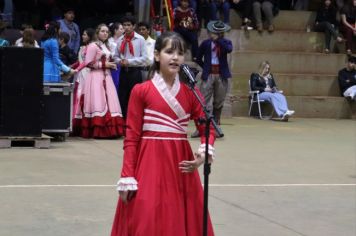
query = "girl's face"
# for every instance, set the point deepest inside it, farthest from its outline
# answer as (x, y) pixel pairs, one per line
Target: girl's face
(85, 37)
(327, 3)
(184, 4)
(169, 60)
(266, 70)
(119, 31)
(103, 33)
(354, 2)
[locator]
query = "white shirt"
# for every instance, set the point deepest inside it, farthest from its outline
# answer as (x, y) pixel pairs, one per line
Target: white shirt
(140, 53)
(19, 43)
(214, 55)
(113, 44)
(150, 46)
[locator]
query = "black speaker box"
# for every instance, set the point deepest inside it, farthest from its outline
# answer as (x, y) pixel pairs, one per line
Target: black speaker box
(21, 79)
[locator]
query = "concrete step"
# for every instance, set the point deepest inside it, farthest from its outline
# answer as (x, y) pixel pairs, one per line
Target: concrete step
(278, 41)
(293, 84)
(307, 107)
(288, 62)
(288, 41)
(285, 20)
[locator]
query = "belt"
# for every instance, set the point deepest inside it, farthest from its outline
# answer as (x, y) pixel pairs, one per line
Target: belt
(214, 69)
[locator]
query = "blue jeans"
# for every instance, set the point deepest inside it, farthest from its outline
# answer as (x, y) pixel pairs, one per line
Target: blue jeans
(222, 6)
(277, 100)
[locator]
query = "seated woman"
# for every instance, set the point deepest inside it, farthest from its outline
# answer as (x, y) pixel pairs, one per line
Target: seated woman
(265, 84)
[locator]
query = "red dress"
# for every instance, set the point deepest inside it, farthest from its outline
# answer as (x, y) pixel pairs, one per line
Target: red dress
(167, 201)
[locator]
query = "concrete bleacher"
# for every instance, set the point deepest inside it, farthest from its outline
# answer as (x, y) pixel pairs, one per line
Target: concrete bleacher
(307, 76)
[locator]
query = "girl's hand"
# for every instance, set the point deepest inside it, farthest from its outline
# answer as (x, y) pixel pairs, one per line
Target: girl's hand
(126, 196)
(111, 65)
(190, 166)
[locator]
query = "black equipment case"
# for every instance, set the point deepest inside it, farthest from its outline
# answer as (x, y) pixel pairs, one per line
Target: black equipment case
(57, 108)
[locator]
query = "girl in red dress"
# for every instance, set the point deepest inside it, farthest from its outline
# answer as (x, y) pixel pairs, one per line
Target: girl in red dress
(160, 189)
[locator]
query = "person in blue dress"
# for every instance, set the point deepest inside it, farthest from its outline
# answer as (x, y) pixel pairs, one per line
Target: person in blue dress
(52, 64)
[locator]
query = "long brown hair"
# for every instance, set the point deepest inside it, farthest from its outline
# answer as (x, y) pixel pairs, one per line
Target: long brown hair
(106, 42)
(28, 37)
(262, 67)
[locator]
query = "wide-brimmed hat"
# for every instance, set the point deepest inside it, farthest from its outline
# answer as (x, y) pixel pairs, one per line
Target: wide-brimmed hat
(218, 27)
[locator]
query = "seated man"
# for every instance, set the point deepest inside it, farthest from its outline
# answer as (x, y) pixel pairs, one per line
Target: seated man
(347, 79)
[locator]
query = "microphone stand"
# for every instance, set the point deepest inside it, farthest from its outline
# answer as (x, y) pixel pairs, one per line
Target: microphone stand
(209, 119)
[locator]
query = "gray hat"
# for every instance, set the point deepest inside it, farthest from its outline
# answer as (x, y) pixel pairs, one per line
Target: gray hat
(218, 27)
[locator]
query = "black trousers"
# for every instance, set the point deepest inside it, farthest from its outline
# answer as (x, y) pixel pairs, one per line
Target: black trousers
(328, 30)
(129, 77)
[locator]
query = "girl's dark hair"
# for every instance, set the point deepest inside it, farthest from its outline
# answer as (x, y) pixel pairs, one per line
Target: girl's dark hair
(64, 36)
(113, 27)
(177, 43)
(51, 31)
(28, 37)
(91, 34)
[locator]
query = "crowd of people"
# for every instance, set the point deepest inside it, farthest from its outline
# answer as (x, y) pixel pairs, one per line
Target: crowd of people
(128, 84)
(121, 57)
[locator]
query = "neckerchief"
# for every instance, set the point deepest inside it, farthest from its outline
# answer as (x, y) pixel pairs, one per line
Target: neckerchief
(127, 40)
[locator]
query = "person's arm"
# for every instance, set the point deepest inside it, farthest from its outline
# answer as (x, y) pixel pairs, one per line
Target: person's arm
(333, 17)
(134, 119)
(116, 57)
(254, 83)
(200, 55)
(90, 57)
(195, 20)
(142, 58)
(91, 61)
(353, 81)
(225, 45)
(197, 116)
(274, 85)
(344, 21)
(72, 57)
(318, 17)
(344, 82)
(77, 39)
(55, 55)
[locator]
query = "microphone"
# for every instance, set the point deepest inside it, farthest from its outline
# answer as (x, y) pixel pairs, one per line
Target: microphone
(189, 74)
